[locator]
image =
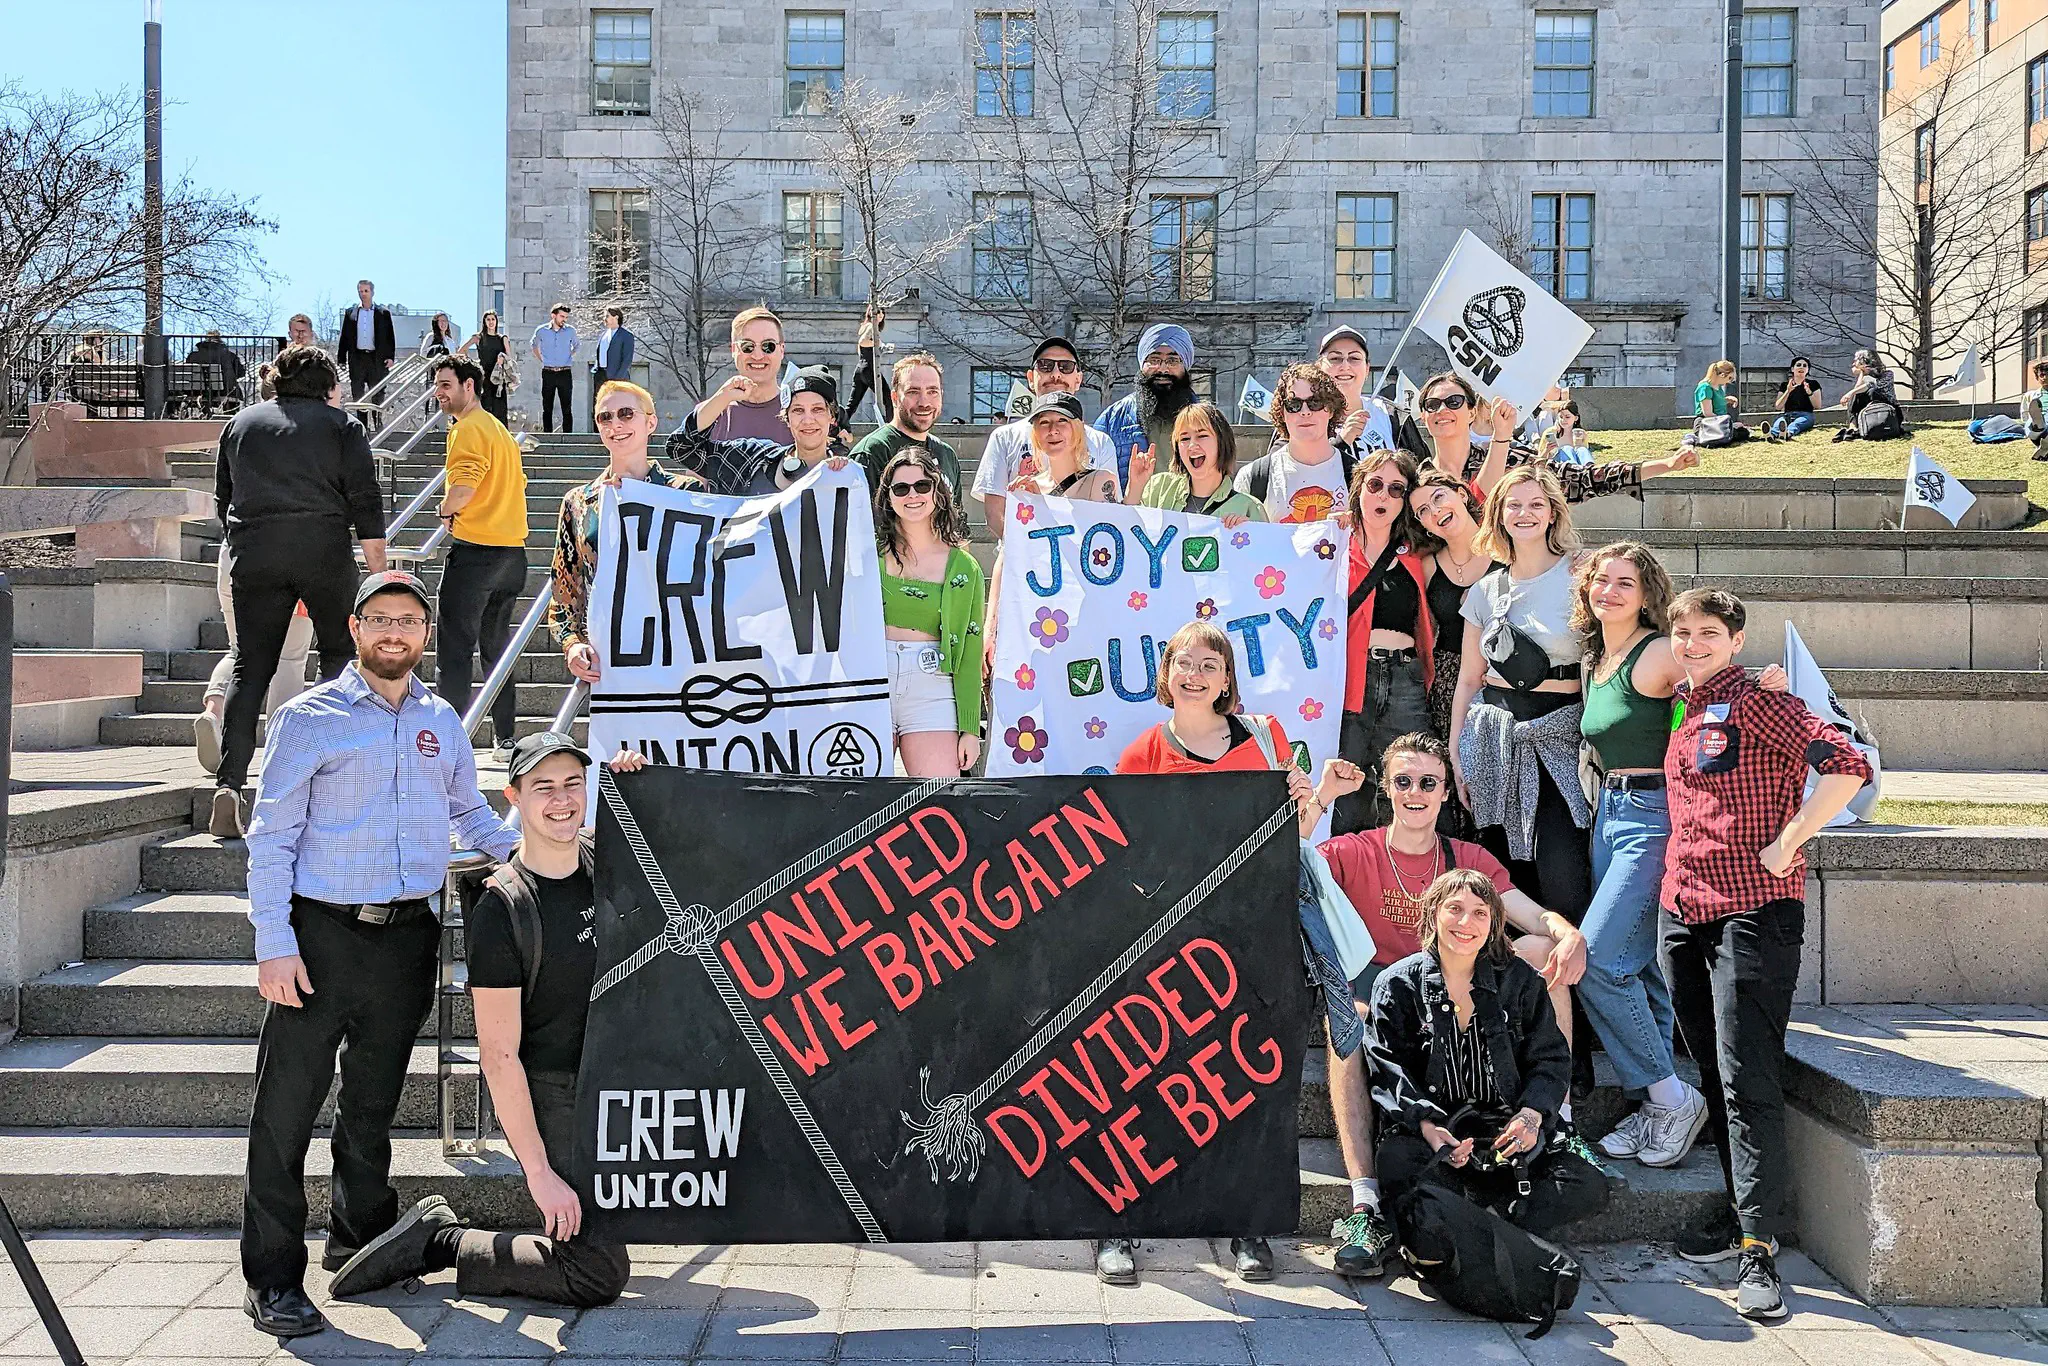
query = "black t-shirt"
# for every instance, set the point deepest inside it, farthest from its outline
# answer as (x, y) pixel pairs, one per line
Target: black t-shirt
(1799, 397)
(551, 1022)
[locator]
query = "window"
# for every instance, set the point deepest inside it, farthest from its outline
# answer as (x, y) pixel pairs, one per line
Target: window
(1767, 71)
(1561, 244)
(1004, 71)
(1564, 66)
(2037, 227)
(1930, 40)
(1891, 70)
(619, 241)
(1187, 66)
(990, 397)
(1766, 246)
(1971, 6)
(812, 238)
(621, 62)
(2037, 101)
(1368, 53)
(2034, 334)
(1184, 246)
(814, 62)
(1002, 247)
(1365, 246)
(1923, 162)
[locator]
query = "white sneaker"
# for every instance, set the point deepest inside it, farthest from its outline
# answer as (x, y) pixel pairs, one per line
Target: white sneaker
(1626, 1138)
(206, 739)
(1670, 1131)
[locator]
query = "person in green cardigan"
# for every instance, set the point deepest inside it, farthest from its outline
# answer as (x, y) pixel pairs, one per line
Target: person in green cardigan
(1204, 460)
(933, 594)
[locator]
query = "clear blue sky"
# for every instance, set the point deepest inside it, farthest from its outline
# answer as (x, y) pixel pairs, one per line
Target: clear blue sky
(412, 89)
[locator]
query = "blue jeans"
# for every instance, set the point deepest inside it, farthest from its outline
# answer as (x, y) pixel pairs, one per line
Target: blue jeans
(1792, 424)
(1623, 991)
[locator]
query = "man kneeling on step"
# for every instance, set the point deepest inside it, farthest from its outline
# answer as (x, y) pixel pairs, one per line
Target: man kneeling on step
(532, 949)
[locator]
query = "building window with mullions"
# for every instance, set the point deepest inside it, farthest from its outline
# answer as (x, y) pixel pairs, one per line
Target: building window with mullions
(622, 62)
(1561, 244)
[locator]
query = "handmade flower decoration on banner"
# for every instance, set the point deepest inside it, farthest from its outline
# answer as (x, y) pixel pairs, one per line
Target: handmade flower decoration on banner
(1026, 513)
(1136, 602)
(1205, 609)
(1270, 582)
(1310, 709)
(1103, 557)
(1327, 629)
(1026, 676)
(1241, 539)
(1095, 728)
(1049, 626)
(1326, 549)
(1026, 742)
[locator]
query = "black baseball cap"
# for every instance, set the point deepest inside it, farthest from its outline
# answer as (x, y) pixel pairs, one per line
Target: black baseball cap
(1062, 343)
(389, 581)
(528, 752)
(1066, 405)
(1340, 333)
(816, 379)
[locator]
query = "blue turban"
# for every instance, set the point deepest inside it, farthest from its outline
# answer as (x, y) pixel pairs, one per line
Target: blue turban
(1167, 334)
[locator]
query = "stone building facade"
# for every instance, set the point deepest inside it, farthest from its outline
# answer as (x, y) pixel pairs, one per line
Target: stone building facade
(1580, 135)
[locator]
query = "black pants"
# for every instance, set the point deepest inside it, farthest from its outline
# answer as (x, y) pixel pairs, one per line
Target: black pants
(1395, 705)
(572, 1271)
(272, 569)
(1562, 1188)
(558, 386)
(364, 371)
(597, 382)
(372, 988)
(1559, 873)
(1731, 992)
(480, 587)
(492, 397)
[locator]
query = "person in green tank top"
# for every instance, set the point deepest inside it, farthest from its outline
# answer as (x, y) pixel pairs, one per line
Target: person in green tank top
(1621, 600)
(933, 595)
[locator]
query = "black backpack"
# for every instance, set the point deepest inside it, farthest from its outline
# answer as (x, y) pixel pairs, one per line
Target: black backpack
(1258, 476)
(515, 885)
(1478, 1261)
(1880, 421)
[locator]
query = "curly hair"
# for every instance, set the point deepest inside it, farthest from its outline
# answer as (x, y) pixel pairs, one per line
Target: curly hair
(304, 372)
(1655, 612)
(1321, 387)
(949, 519)
(1473, 883)
(1406, 531)
(1493, 540)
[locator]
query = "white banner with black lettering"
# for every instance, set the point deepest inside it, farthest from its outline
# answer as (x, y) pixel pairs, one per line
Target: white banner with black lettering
(742, 633)
(1091, 592)
(1503, 333)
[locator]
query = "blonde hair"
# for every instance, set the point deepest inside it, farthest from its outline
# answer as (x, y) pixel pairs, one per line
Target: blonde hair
(1493, 540)
(624, 386)
(756, 314)
(1080, 444)
(1723, 368)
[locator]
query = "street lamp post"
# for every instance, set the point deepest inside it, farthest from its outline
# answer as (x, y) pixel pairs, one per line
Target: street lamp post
(1731, 194)
(155, 359)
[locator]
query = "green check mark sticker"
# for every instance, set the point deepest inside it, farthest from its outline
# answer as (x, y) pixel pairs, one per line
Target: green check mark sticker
(1084, 677)
(1198, 554)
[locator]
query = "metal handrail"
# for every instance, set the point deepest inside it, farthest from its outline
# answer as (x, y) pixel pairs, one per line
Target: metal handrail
(418, 501)
(374, 397)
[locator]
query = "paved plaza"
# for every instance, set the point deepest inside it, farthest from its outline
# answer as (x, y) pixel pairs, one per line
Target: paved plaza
(138, 1299)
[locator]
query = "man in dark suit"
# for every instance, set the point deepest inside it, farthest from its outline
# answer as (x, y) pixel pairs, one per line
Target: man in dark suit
(367, 345)
(614, 356)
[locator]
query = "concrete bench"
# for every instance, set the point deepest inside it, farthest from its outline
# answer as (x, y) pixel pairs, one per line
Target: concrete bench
(1974, 720)
(121, 522)
(117, 604)
(1868, 622)
(60, 696)
(1918, 554)
(1683, 502)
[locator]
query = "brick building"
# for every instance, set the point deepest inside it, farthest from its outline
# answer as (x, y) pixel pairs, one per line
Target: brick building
(1585, 132)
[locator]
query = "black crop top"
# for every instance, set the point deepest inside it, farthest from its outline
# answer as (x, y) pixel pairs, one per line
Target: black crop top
(1396, 606)
(1446, 599)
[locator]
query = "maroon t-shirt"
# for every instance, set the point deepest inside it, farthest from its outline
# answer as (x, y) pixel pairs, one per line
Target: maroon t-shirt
(1391, 906)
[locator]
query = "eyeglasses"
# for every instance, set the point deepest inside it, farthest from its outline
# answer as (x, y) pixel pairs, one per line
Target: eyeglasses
(1393, 488)
(1208, 668)
(1059, 367)
(916, 488)
(1427, 783)
(1451, 401)
(1295, 405)
(609, 416)
(380, 622)
(766, 348)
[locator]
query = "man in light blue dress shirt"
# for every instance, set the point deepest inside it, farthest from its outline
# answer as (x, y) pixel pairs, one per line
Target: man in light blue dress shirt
(363, 778)
(554, 346)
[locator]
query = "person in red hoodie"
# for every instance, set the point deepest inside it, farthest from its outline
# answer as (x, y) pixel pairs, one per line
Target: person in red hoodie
(1391, 645)
(1735, 915)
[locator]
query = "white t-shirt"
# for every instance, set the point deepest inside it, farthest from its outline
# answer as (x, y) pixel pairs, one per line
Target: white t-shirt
(1379, 426)
(1540, 608)
(1296, 492)
(1006, 447)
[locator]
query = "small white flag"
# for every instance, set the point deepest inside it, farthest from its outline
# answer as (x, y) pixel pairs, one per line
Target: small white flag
(788, 379)
(1928, 485)
(1018, 404)
(1254, 399)
(1968, 373)
(1806, 682)
(1502, 331)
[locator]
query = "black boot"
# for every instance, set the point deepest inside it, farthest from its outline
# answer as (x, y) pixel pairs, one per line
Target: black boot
(397, 1253)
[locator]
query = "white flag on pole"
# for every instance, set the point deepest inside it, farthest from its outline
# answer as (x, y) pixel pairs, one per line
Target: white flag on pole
(1810, 686)
(1018, 404)
(788, 379)
(1503, 332)
(1968, 373)
(1254, 399)
(1928, 485)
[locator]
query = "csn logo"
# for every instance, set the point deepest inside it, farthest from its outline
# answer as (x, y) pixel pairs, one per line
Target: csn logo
(1490, 331)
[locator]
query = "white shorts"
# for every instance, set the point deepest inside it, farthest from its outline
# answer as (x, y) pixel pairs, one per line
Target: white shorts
(920, 697)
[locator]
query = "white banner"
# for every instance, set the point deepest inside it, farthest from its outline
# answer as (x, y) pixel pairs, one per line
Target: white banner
(742, 633)
(1091, 592)
(1503, 333)
(1807, 683)
(1928, 485)
(1969, 373)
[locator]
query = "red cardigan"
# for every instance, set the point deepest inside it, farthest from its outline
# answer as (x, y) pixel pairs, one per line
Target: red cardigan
(1359, 641)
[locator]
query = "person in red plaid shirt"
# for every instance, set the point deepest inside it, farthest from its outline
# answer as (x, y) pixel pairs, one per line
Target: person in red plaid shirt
(1734, 913)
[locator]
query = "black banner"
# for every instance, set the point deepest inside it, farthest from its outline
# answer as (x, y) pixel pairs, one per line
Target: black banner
(892, 1010)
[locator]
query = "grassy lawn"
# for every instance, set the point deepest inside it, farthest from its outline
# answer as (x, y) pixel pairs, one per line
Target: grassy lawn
(1890, 812)
(1948, 444)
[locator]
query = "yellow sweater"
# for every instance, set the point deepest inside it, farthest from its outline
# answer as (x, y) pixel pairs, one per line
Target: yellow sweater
(482, 455)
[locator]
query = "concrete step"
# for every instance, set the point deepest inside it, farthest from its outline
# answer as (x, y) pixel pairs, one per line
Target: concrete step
(192, 925)
(170, 728)
(124, 998)
(196, 863)
(96, 1083)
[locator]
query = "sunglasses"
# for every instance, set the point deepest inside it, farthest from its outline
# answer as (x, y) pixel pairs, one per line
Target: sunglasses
(1296, 405)
(915, 488)
(1393, 488)
(608, 416)
(1428, 783)
(766, 348)
(1451, 401)
(1059, 367)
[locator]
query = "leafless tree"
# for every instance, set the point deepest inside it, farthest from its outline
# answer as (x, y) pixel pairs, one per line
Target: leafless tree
(1502, 212)
(72, 232)
(704, 255)
(1072, 188)
(1942, 242)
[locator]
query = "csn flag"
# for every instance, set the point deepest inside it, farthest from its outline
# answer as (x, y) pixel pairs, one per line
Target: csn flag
(1503, 333)
(1969, 373)
(1928, 485)
(1806, 682)
(742, 633)
(1090, 594)
(1254, 399)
